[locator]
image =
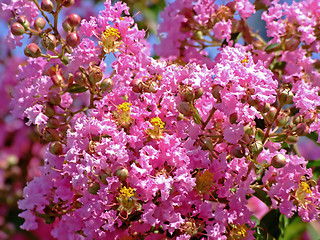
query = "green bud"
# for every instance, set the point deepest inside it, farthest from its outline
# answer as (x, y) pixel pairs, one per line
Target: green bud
(216, 92)
(49, 42)
(271, 113)
(56, 148)
(54, 98)
(198, 92)
(39, 23)
(122, 173)
(292, 139)
(17, 29)
(256, 148)
(302, 129)
(93, 188)
(278, 161)
(49, 110)
(185, 109)
(233, 118)
(106, 85)
(187, 93)
(237, 151)
(53, 123)
(32, 50)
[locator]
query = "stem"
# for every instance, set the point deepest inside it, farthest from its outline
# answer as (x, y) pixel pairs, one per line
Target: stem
(296, 150)
(266, 135)
(208, 119)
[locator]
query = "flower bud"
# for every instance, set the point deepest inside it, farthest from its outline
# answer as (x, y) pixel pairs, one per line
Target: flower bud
(122, 173)
(282, 120)
(291, 44)
(136, 85)
(233, 118)
(237, 151)
(256, 148)
(207, 144)
(278, 161)
(248, 130)
(149, 87)
(292, 139)
(17, 29)
(302, 129)
(54, 98)
(39, 23)
(106, 85)
(187, 93)
(32, 50)
(68, 3)
(198, 92)
(51, 135)
(103, 178)
(95, 74)
(49, 110)
(74, 20)
(47, 5)
(73, 39)
(252, 102)
(285, 96)
(80, 78)
(56, 148)
(53, 123)
(185, 109)
(24, 22)
(263, 107)
(49, 41)
(216, 92)
(66, 26)
(297, 119)
(271, 113)
(93, 188)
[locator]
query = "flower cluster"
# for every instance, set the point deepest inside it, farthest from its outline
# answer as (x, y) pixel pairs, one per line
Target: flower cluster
(171, 147)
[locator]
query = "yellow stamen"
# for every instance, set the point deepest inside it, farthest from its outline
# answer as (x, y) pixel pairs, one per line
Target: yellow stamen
(244, 61)
(124, 107)
(157, 123)
(126, 193)
(111, 32)
(241, 231)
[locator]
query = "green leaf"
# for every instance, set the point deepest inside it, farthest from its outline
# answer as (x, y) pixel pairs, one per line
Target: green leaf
(255, 219)
(259, 134)
(314, 137)
(272, 47)
(262, 195)
(281, 137)
(283, 223)
(76, 88)
(313, 163)
(270, 223)
(294, 229)
(280, 65)
(234, 37)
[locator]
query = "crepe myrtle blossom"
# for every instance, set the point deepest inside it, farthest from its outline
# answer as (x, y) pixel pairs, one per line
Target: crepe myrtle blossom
(169, 147)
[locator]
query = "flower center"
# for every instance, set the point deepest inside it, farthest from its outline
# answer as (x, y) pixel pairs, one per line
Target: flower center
(123, 114)
(126, 193)
(110, 40)
(241, 231)
(157, 123)
(244, 61)
(302, 191)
